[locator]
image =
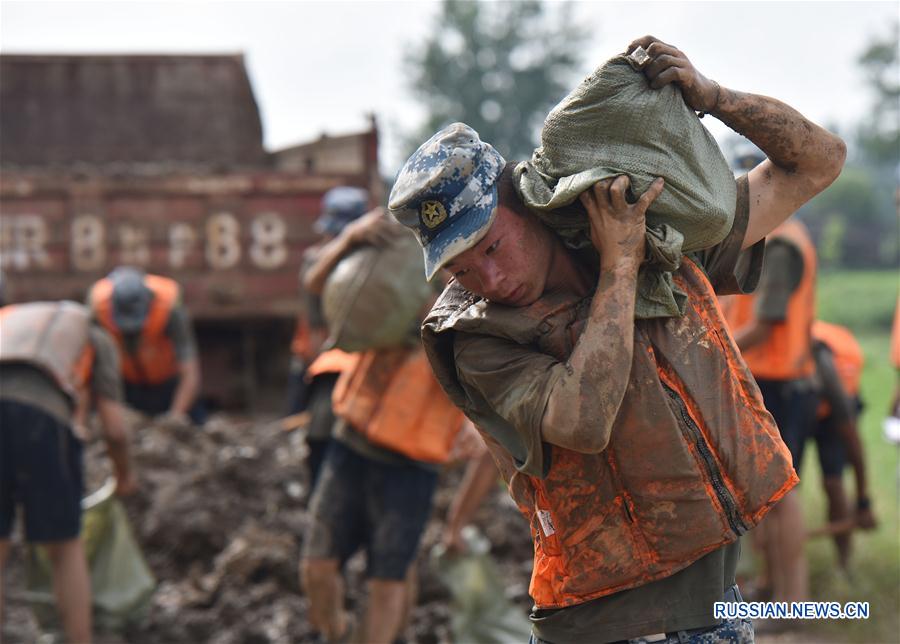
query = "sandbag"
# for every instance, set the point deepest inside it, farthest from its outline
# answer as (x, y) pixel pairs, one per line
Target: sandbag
(481, 612)
(613, 123)
(375, 296)
(121, 583)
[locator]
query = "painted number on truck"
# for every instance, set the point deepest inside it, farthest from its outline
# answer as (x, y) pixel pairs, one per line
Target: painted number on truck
(24, 242)
(268, 249)
(88, 240)
(223, 242)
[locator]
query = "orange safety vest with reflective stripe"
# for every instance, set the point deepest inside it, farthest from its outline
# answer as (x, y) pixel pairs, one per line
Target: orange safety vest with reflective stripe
(154, 362)
(54, 337)
(332, 361)
(848, 357)
(787, 354)
(393, 399)
(301, 343)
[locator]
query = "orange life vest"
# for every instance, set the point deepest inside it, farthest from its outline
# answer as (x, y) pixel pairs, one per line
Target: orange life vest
(679, 478)
(787, 354)
(392, 398)
(848, 357)
(333, 361)
(301, 343)
(895, 337)
(54, 337)
(154, 361)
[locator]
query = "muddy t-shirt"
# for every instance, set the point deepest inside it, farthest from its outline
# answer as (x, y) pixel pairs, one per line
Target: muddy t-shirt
(682, 601)
(500, 373)
(30, 385)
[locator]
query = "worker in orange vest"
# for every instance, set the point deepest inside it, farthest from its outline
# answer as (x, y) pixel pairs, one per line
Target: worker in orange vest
(395, 428)
(146, 316)
(773, 330)
(313, 373)
(637, 449)
(56, 365)
(839, 363)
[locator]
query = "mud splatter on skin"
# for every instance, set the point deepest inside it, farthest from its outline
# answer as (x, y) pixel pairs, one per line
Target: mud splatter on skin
(586, 400)
(789, 140)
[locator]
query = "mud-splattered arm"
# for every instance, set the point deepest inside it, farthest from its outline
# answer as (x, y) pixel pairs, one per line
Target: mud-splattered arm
(372, 228)
(803, 158)
(584, 402)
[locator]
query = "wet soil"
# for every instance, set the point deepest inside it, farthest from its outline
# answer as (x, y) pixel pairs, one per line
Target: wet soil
(220, 516)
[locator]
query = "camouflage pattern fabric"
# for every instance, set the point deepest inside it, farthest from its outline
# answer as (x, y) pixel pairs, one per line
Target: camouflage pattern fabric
(446, 193)
(731, 631)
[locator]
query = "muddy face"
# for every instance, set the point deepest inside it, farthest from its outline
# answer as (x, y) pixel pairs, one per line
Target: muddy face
(511, 264)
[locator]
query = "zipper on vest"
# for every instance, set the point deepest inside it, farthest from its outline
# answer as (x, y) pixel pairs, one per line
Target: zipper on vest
(627, 510)
(715, 476)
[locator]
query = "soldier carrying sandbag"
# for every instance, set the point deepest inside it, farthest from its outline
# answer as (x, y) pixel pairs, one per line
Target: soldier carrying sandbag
(603, 377)
(56, 364)
(394, 430)
(314, 371)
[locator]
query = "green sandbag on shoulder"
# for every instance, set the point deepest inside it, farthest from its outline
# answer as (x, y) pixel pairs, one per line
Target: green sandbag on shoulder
(374, 297)
(613, 123)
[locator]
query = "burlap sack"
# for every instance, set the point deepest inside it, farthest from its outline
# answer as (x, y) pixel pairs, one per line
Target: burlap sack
(122, 584)
(613, 123)
(375, 297)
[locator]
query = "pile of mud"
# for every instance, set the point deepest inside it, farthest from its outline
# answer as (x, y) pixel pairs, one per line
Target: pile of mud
(220, 515)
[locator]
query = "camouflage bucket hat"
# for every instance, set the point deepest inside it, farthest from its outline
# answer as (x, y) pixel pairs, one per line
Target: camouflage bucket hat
(446, 193)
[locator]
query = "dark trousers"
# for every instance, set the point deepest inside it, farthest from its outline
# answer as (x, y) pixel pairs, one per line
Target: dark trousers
(157, 399)
(793, 406)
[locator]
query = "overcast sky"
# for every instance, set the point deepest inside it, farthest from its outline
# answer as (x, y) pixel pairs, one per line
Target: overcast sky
(321, 66)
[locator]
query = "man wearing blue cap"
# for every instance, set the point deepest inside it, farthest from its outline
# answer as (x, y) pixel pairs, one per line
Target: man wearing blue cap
(313, 373)
(638, 450)
(376, 483)
(146, 316)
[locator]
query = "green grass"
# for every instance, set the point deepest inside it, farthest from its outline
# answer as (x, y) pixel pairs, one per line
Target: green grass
(861, 300)
(864, 301)
(875, 565)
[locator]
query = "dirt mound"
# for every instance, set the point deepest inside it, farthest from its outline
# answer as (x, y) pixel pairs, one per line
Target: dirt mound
(220, 515)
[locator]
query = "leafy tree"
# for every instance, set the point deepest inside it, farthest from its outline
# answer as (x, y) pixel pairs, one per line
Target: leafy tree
(879, 134)
(848, 220)
(497, 66)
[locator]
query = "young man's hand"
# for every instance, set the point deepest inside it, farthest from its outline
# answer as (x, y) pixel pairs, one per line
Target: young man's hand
(126, 485)
(372, 228)
(669, 65)
(451, 539)
(175, 420)
(617, 227)
(865, 518)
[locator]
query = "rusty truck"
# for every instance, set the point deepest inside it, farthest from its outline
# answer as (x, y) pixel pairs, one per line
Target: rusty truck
(157, 161)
